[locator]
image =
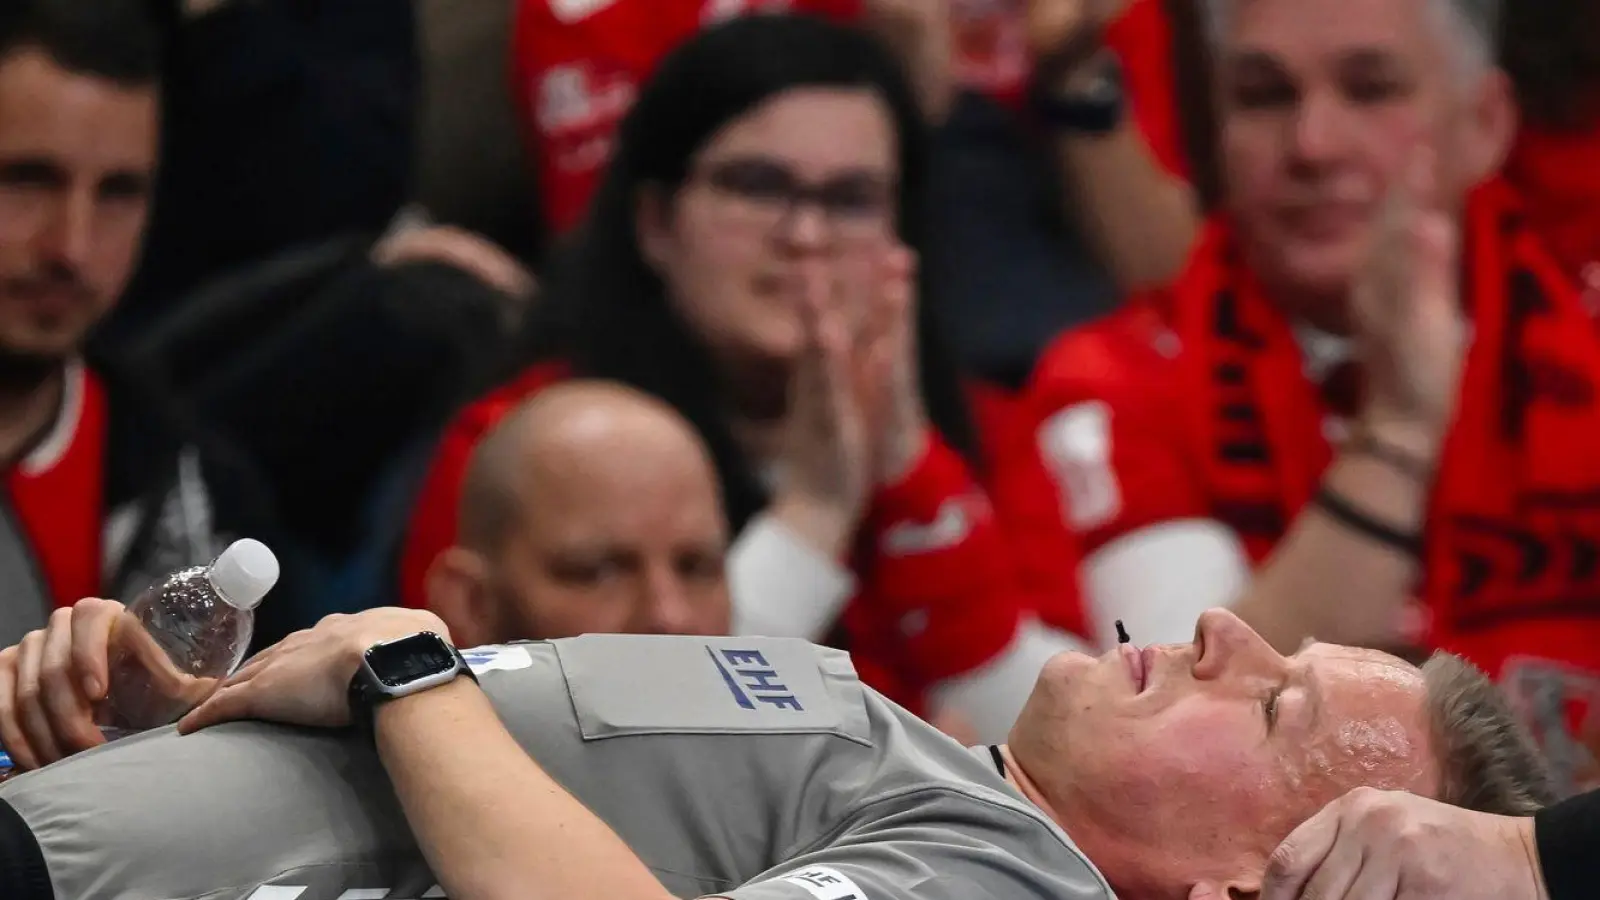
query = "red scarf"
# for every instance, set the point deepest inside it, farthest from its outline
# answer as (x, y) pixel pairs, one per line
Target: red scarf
(1554, 171)
(1511, 567)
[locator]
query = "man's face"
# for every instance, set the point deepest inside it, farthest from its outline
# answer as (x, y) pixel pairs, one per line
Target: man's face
(1323, 104)
(616, 546)
(1185, 763)
(77, 156)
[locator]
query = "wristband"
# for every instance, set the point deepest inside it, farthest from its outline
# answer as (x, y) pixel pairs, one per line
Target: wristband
(1343, 512)
(1365, 443)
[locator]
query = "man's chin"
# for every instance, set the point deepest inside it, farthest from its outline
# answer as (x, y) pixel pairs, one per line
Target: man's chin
(25, 368)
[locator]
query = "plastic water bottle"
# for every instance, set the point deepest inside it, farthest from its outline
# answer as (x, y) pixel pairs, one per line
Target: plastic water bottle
(201, 620)
(196, 628)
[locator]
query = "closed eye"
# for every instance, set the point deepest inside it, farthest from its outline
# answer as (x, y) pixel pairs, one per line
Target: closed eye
(1270, 708)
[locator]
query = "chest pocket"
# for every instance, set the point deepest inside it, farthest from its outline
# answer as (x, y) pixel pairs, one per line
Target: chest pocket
(639, 684)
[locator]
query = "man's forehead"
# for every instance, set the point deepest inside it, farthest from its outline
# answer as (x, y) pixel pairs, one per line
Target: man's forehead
(1374, 722)
(1308, 29)
(52, 113)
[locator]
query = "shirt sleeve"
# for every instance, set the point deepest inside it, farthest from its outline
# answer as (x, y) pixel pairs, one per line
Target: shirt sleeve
(1567, 835)
(937, 572)
(1142, 40)
(1109, 424)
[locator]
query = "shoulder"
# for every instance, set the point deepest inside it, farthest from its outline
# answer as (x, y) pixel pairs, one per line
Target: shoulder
(1130, 358)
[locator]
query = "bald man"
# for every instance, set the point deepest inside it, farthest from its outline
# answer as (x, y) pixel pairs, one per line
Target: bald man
(592, 508)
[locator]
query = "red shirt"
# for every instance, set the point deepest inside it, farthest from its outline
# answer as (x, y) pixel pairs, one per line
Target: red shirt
(57, 492)
(577, 66)
(933, 602)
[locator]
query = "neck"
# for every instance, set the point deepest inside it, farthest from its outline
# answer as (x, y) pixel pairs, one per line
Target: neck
(1018, 778)
(1327, 314)
(27, 410)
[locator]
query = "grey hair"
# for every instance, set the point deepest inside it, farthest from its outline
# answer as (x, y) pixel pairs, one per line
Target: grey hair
(1475, 26)
(1487, 761)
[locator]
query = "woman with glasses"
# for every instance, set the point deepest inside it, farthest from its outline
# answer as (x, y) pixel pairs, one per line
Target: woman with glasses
(752, 259)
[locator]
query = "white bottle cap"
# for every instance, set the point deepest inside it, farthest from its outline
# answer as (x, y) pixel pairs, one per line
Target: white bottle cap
(244, 573)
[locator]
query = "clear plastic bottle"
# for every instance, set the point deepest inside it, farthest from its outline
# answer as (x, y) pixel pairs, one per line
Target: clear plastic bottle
(197, 626)
(178, 638)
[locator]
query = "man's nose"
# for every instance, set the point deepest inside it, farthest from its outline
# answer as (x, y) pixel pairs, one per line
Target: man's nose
(665, 606)
(1225, 643)
(67, 236)
(1318, 130)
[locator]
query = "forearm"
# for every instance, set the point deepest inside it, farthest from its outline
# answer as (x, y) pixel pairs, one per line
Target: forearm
(1330, 582)
(1140, 219)
(491, 823)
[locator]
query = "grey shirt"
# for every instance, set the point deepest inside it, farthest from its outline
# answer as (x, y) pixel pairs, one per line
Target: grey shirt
(748, 768)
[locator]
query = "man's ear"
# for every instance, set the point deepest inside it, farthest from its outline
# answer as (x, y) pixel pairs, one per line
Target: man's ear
(1240, 889)
(1494, 126)
(458, 590)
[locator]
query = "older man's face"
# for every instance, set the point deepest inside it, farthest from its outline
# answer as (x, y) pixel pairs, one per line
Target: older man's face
(1323, 103)
(1186, 763)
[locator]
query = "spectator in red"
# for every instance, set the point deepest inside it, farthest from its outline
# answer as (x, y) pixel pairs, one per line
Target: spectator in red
(1220, 426)
(751, 260)
(1552, 53)
(1053, 184)
(105, 487)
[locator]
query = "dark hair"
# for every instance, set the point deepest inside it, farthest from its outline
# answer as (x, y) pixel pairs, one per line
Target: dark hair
(121, 41)
(1552, 52)
(607, 312)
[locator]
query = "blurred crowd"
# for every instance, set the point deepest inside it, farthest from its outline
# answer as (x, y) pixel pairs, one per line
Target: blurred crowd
(949, 332)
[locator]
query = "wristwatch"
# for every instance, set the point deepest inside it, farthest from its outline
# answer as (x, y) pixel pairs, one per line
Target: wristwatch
(400, 668)
(1095, 107)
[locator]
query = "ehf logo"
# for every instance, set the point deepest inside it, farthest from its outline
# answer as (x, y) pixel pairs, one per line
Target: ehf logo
(752, 680)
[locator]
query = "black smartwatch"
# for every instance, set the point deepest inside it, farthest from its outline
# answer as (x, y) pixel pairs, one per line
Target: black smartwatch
(401, 668)
(1095, 108)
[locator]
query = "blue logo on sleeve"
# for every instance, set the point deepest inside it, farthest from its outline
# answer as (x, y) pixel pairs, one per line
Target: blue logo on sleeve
(751, 680)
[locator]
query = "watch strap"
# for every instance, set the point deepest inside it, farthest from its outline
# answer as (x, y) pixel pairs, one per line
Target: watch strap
(1098, 108)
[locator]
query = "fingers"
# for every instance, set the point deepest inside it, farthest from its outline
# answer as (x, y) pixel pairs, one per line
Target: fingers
(1297, 859)
(12, 737)
(1379, 878)
(826, 361)
(61, 687)
(92, 621)
(230, 704)
(35, 724)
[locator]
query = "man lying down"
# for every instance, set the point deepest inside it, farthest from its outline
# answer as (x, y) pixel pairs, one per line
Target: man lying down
(637, 768)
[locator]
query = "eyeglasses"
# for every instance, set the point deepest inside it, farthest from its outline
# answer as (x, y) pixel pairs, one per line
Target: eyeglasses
(765, 195)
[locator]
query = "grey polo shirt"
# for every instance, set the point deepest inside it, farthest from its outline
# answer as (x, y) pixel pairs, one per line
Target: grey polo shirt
(746, 768)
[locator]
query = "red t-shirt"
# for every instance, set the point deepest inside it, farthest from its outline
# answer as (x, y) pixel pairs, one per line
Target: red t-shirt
(57, 492)
(577, 66)
(941, 583)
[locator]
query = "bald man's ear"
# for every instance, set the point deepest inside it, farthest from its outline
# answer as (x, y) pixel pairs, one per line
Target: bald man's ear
(459, 592)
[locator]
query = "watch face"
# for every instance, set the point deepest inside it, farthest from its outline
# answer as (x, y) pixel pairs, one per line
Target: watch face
(410, 659)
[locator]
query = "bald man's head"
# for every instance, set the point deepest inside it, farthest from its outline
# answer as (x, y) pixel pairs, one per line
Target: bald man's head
(590, 489)
(588, 424)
